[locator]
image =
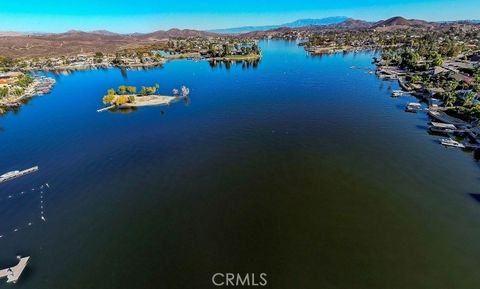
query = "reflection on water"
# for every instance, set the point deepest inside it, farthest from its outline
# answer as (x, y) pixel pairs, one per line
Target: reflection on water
(245, 64)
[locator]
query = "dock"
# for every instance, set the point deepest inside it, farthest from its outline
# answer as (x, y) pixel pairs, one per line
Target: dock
(106, 108)
(16, 174)
(445, 118)
(13, 273)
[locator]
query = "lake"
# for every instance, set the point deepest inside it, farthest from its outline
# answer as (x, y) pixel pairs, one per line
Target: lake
(300, 167)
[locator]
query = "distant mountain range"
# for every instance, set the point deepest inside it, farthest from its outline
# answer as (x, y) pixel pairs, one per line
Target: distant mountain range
(303, 24)
(294, 24)
(31, 44)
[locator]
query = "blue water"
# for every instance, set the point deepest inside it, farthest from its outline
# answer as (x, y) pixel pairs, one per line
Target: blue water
(300, 167)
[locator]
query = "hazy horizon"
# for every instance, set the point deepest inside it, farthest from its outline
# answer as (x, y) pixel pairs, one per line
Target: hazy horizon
(147, 16)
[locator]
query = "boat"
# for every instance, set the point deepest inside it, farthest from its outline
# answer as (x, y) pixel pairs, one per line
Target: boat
(15, 174)
(397, 93)
(413, 107)
(452, 143)
(444, 128)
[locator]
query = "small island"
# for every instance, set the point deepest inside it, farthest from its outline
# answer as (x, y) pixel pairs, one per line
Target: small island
(127, 97)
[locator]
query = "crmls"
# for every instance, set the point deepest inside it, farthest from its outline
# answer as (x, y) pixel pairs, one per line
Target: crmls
(237, 279)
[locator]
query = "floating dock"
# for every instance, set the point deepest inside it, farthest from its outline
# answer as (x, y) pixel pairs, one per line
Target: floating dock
(16, 174)
(13, 273)
(106, 108)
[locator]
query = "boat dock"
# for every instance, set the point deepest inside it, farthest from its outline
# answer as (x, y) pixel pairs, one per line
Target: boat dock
(13, 273)
(16, 174)
(445, 118)
(106, 108)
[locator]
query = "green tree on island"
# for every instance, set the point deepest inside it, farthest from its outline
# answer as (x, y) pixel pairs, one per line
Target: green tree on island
(131, 89)
(149, 90)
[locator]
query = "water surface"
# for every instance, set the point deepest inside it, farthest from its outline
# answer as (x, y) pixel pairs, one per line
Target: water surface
(300, 167)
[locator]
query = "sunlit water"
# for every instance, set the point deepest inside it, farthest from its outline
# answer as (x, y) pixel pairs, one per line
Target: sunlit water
(302, 168)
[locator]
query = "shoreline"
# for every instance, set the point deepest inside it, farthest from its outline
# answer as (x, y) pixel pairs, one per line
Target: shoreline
(41, 85)
(467, 128)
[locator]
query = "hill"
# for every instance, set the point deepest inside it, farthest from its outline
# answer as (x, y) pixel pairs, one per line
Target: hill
(176, 33)
(400, 22)
(295, 24)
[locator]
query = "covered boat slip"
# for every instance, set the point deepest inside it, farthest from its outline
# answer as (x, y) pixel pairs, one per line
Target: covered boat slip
(13, 273)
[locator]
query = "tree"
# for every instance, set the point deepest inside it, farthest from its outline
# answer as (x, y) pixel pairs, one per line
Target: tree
(131, 89)
(24, 80)
(131, 98)
(469, 98)
(450, 98)
(148, 90)
(122, 89)
(415, 78)
(437, 59)
(226, 49)
(109, 98)
(121, 99)
(18, 91)
(477, 77)
(111, 91)
(410, 58)
(255, 48)
(3, 91)
(98, 58)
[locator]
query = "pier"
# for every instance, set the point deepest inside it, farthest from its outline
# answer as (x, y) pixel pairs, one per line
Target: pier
(106, 108)
(16, 174)
(445, 118)
(13, 273)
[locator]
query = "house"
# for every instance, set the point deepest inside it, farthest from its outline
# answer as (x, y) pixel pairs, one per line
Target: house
(438, 69)
(460, 77)
(9, 78)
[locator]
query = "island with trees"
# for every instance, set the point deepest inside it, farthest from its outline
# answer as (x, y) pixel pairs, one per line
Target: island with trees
(128, 97)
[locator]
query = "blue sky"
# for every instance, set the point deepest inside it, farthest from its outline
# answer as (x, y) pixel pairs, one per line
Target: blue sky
(146, 16)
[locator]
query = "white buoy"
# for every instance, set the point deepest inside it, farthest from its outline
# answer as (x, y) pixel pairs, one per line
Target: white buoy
(43, 219)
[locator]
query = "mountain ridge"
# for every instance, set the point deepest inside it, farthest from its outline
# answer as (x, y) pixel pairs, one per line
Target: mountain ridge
(294, 24)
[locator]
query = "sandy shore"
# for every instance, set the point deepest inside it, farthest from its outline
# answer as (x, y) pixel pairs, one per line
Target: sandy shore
(150, 100)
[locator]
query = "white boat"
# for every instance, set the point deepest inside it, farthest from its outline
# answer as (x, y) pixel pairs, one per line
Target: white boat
(452, 143)
(397, 93)
(413, 107)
